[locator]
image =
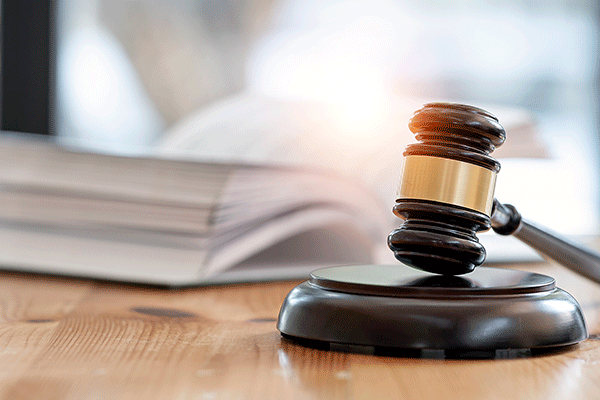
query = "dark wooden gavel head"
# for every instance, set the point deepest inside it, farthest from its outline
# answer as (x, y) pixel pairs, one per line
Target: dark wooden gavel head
(446, 190)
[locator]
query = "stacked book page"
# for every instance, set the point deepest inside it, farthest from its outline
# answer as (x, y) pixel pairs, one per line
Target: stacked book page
(153, 220)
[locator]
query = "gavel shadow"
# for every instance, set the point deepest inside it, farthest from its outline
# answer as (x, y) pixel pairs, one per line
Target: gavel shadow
(430, 354)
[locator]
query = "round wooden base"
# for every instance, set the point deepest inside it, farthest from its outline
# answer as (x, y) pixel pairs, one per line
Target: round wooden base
(398, 307)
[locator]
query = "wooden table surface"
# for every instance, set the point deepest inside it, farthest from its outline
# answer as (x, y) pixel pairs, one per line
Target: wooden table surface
(79, 339)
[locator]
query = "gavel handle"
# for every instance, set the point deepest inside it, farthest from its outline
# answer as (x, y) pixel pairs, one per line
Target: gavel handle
(506, 220)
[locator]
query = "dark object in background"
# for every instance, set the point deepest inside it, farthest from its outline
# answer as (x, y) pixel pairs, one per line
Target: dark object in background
(25, 72)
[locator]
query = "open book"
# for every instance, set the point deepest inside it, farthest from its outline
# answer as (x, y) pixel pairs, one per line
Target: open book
(153, 220)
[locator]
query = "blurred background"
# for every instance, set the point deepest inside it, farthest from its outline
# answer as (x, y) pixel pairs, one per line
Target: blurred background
(333, 84)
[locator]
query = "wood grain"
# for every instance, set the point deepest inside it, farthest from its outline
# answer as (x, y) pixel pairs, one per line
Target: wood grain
(77, 339)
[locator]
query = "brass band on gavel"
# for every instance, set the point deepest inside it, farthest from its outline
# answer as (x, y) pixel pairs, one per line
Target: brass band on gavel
(447, 181)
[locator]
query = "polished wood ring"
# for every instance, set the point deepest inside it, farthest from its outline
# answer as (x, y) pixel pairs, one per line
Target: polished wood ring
(447, 181)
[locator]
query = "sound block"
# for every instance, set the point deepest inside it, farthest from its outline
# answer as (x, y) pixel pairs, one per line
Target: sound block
(399, 307)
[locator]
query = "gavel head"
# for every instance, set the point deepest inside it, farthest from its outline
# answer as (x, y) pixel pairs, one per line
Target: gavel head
(446, 190)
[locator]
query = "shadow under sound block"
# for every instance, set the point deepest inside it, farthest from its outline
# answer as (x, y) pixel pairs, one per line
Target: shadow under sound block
(392, 306)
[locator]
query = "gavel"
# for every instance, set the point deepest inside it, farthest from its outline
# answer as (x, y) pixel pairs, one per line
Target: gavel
(446, 302)
(446, 196)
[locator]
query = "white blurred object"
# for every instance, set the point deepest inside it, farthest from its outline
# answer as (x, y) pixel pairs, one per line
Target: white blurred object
(102, 103)
(258, 129)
